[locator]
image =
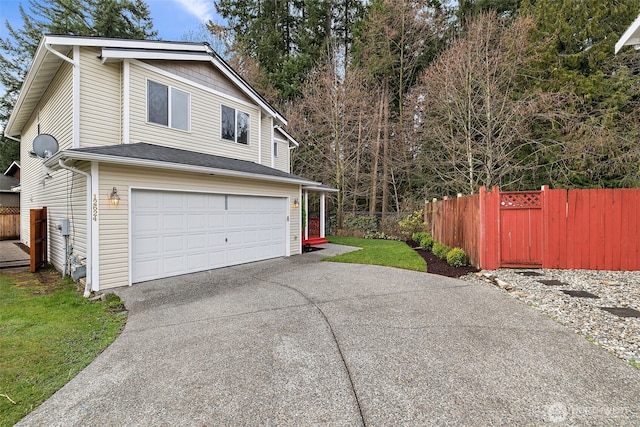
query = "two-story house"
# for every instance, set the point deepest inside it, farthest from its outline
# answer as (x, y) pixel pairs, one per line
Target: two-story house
(168, 162)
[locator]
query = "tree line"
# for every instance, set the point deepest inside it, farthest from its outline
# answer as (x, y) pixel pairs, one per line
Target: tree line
(398, 101)
(395, 102)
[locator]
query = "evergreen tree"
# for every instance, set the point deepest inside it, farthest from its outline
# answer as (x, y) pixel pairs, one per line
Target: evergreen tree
(287, 39)
(575, 58)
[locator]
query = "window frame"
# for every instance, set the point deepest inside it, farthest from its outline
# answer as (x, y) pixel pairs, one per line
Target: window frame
(236, 124)
(169, 107)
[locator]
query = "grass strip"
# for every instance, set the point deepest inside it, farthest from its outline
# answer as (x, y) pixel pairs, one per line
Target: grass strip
(48, 333)
(388, 253)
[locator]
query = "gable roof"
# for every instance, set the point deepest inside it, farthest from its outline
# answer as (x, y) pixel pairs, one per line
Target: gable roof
(156, 156)
(12, 169)
(54, 49)
(631, 36)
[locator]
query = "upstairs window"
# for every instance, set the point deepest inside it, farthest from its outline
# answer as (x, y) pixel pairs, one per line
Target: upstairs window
(275, 149)
(168, 106)
(234, 125)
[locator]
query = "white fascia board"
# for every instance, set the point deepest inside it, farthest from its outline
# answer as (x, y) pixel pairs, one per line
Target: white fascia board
(111, 54)
(319, 189)
(124, 43)
(52, 163)
(41, 52)
(11, 165)
(248, 90)
(631, 36)
(287, 135)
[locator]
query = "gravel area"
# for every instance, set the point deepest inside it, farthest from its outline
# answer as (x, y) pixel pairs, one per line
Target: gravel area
(619, 335)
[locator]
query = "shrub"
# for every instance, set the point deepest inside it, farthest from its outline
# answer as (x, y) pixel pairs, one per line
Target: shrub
(418, 235)
(457, 258)
(423, 239)
(364, 223)
(440, 250)
(411, 224)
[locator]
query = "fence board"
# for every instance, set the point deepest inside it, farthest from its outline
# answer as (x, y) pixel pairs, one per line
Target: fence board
(9, 224)
(588, 229)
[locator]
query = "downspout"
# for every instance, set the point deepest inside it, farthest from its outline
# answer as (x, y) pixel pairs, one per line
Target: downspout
(87, 286)
(59, 55)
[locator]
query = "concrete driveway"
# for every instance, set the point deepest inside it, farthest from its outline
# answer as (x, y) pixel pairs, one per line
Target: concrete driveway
(301, 342)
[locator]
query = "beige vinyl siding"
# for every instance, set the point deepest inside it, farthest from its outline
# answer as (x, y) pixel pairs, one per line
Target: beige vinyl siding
(203, 73)
(55, 115)
(114, 222)
(267, 140)
(205, 135)
(100, 100)
(282, 161)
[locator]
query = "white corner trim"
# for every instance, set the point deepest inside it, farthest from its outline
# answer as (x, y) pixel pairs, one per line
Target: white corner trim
(129, 244)
(126, 101)
(259, 138)
(273, 157)
(76, 97)
(95, 229)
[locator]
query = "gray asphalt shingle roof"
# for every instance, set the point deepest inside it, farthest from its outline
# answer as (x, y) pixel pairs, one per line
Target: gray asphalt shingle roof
(157, 153)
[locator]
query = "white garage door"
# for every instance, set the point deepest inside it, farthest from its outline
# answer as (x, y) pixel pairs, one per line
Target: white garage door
(175, 233)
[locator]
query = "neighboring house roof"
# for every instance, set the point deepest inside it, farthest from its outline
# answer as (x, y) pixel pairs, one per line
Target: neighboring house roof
(12, 169)
(631, 37)
(53, 49)
(7, 183)
(150, 155)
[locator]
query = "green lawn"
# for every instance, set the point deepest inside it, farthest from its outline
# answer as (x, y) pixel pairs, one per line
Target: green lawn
(379, 252)
(48, 333)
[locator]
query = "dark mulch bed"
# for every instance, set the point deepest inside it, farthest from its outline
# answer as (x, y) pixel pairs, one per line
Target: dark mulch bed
(437, 266)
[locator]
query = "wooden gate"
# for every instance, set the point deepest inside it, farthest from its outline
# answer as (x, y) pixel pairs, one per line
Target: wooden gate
(38, 240)
(521, 229)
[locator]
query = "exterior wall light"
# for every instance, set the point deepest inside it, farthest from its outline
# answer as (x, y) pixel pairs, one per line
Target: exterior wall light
(295, 203)
(114, 199)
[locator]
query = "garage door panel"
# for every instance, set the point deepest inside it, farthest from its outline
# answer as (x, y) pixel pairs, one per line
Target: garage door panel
(196, 201)
(173, 265)
(216, 221)
(172, 244)
(144, 223)
(173, 221)
(197, 221)
(197, 262)
(196, 242)
(176, 233)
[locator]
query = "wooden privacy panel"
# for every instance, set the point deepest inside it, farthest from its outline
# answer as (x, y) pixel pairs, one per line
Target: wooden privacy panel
(593, 229)
(455, 222)
(577, 229)
(521, 229)
(9, 222)
(38, 240)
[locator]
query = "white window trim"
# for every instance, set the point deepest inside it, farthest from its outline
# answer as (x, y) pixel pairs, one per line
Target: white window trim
(169, 87)
(235, 134)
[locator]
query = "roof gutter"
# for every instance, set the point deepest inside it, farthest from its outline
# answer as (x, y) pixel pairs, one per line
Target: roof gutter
(88, 284)
(91, 157)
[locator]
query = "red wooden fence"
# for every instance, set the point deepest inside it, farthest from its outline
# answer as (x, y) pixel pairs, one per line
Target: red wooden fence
(589, 229)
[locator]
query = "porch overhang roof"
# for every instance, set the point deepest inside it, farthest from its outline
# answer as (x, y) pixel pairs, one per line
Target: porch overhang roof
(154, 156)
(320, 188)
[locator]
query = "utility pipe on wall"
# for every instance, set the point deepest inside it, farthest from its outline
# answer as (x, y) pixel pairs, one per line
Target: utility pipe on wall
(87, 286)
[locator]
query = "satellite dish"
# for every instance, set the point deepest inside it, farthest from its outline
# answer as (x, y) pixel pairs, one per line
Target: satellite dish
(45, 146)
